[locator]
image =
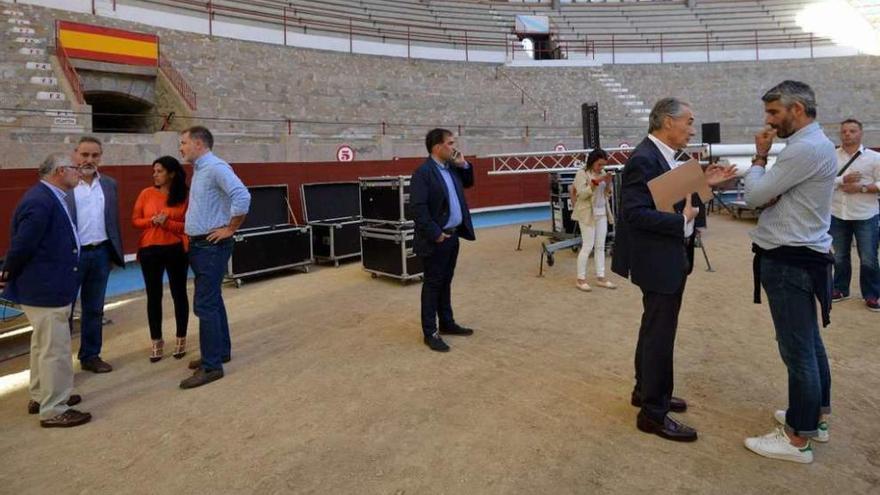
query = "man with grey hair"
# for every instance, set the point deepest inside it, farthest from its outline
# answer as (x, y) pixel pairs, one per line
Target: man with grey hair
(656, 249)
(793, 262)
(40, 274)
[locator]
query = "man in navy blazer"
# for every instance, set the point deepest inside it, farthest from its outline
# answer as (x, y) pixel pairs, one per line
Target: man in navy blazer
(441, 218)
(94, 206)
(656, 250)
(40, 274)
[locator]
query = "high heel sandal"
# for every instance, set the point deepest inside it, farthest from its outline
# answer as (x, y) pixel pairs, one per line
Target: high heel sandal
(158, 348)
(180, 348)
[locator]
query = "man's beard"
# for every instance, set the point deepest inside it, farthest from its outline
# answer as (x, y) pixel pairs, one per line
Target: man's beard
(785, 129)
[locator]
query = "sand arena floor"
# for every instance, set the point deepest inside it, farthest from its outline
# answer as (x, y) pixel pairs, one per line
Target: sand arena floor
(330, 390)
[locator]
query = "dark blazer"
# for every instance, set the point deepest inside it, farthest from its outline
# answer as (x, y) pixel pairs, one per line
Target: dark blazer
(42, 258)
(649, 245)
(429, 201)
(111, 216)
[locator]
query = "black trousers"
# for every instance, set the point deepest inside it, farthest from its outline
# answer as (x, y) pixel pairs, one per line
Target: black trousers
(155, 261)
(653, 360)
(437, 286)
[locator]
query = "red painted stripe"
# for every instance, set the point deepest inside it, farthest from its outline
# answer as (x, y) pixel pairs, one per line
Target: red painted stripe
(87, 28)
(111, 57)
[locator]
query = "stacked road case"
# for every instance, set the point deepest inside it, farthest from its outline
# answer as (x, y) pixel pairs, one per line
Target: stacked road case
(388, 228)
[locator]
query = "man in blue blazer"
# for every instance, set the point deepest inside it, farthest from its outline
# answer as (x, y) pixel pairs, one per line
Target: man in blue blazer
(40, 274)
(441, 218)
(94, 206)
(656, 250)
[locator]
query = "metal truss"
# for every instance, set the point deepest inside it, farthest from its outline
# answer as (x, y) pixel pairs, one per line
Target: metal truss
(553, 161)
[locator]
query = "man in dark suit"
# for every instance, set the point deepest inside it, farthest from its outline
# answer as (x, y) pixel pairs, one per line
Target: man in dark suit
(441, 217)
(40, 275)
(94, 206)
(656, 249)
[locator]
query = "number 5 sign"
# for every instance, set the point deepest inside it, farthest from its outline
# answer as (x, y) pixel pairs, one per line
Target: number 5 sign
(344, 153)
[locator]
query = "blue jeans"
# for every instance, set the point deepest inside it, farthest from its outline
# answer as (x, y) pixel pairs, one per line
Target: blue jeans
(793, 308)
(866, 234)
(93, 272)
(208, 262)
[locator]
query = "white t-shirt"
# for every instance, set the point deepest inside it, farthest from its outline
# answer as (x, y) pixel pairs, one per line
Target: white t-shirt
(599, 200)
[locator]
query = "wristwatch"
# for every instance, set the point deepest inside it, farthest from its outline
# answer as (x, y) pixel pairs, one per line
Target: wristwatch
(863, 189)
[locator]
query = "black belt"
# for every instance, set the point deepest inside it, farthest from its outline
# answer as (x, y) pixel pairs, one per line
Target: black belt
(92, 247)
(451, 231)
(198, 238)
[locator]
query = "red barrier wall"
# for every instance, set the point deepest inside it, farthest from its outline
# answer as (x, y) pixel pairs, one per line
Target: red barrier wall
(495, 190)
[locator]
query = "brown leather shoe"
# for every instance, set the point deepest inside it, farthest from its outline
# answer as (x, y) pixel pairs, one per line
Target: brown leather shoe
(201, 377)
(676, 404)
(67, 419)
(96, 365)
(669, 429)
(34, 406)
(197, 363)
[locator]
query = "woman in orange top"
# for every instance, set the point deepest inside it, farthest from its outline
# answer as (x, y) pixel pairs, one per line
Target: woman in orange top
(159, 212)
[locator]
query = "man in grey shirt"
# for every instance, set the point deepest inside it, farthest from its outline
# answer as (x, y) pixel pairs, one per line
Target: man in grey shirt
(793, 262)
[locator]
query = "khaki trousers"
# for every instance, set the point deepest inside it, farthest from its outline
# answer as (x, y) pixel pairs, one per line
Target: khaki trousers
(51, 361)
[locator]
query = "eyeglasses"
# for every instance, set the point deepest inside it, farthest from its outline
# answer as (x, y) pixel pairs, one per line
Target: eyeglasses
(74, 167)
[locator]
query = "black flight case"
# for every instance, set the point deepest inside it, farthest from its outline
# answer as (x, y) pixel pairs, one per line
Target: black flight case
(333, 211)
(267, 241)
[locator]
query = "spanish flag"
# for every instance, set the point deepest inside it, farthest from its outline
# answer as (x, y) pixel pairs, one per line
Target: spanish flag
(107, 44)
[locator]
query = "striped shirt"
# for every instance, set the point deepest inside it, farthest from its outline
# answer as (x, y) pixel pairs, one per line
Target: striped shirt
(803, 181)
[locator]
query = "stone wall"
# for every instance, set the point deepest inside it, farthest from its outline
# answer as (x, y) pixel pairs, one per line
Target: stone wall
(274, 103)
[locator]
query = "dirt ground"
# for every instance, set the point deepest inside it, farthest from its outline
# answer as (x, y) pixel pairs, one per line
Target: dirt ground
(330, 390)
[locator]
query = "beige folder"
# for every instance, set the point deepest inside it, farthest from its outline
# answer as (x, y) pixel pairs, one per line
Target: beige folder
(677, 184)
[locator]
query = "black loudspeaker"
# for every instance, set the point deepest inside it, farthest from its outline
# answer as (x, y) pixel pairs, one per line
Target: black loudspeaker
(711, 133)
(590, 117)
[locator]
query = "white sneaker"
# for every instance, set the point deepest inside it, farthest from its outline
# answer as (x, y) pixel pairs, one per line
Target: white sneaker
(776, 445)
(823, 436)
(584, 286)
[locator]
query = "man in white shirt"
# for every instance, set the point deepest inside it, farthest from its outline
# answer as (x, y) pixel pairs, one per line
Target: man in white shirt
(94, 206)
(854, 213)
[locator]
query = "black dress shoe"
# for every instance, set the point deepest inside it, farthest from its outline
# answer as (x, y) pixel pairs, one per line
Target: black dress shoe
(669, 429)
(197, 363)
(67, 419)
(456, 330)
(436, 343)
(201, 377)
(34, 406)
(676, 404)
(96, 365)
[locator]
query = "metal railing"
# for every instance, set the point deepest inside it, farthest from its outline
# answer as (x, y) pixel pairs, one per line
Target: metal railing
(374, 28)
(183, 88)
(68, 69)
(523, 95)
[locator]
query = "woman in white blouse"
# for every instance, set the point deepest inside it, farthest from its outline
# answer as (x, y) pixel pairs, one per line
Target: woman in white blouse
(590, 192)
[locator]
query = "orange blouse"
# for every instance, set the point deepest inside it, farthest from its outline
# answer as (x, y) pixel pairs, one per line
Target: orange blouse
(151, 201)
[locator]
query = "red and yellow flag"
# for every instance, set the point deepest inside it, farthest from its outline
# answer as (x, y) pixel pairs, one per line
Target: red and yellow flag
(108, 44)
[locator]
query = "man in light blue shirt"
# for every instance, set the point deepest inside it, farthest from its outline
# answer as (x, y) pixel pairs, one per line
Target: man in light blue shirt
(793, 262)
(218, 203)
(441, 217)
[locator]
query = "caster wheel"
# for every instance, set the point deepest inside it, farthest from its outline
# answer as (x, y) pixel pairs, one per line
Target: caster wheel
(238, 283)
(550, 260)
(306, 269)
(336, 264)
(373, 275)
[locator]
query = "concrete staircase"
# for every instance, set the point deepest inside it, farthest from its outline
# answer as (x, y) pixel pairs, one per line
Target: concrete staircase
(32, 97)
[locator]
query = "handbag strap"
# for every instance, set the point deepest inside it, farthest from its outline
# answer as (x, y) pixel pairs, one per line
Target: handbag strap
(851, 160)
